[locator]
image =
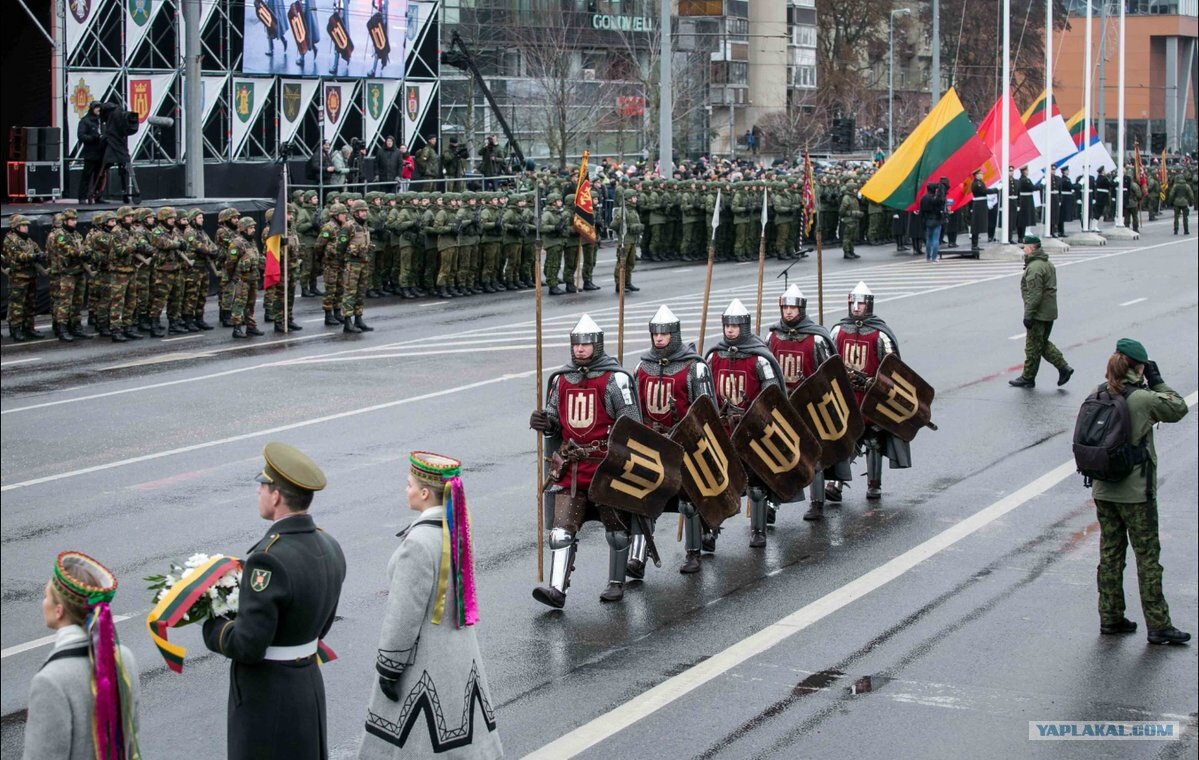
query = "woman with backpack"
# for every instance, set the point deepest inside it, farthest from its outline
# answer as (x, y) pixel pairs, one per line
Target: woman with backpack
(1127, 507)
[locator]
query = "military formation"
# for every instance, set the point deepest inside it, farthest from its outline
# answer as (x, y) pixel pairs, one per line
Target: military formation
(610, 432)
(136, 264)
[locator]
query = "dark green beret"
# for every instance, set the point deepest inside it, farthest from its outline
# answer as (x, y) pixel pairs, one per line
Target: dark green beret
(1133, 350)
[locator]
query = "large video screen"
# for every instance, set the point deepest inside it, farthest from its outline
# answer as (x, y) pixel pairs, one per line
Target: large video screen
(328, 38)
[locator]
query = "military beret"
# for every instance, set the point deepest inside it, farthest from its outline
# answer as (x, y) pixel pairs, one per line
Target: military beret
(1133, 350)
(1032, 240)
(289, 464)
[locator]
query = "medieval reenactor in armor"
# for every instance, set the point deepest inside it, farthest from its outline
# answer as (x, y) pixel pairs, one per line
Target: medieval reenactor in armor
(742, 366)
(863, 340)
(584, 398)
(670, 377)
(801, 346)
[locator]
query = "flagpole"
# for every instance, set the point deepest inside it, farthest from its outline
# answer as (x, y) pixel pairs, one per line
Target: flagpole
(1048, 180)
(703, 320)
(1086, 125)
(284, 246)
(538, 252)
(1006, 126)
(761, 265)
(1120, 136)
(620, 283)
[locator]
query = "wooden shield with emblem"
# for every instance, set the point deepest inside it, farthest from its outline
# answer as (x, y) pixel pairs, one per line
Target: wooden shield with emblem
(898, 400)
(266, 17)
(299, 27)
(713, 478)
(826, 403)
(340, 36)
(776, 445)
(641, 472)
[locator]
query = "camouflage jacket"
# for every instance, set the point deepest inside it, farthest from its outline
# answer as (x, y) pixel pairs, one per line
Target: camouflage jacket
(355, 239)
(246, 257)
(21, 253)
(99, 245)
(64, 249)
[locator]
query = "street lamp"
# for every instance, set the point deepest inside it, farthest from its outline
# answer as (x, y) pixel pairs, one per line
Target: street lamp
(891, 80)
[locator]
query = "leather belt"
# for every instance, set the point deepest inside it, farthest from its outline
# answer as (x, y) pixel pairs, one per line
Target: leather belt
(288, 653)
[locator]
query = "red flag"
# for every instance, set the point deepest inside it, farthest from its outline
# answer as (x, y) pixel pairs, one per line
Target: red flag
(584, 219)
(1023, 150)
(809, 196)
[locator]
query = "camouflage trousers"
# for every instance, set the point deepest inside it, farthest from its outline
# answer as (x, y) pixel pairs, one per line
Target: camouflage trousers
(528, 259)
(784, 236)
(1185, 213)
(570, 262)
(21, 305)
(467, 273)
(143, 280)
(742, 243)
(407, 268)
(272, 297)
(430, 262)
(67, 298)
(1037, 345)
(382, 273)
(99, 294)
(1119, 526)
(122, 300)
(659, 242)
(333, 284)
(167, 293)
(553, 264)
(447, 261)
(355, 277)
(490, 264)
(630, 261)
(311, 266)
(849, 234)
(245, 295)
(195, 290)
(512, 269)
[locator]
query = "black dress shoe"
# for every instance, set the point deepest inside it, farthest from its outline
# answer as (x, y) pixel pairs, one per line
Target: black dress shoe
(1063, 376)
(1021, 382)
(1169, 635)
(1123, 625)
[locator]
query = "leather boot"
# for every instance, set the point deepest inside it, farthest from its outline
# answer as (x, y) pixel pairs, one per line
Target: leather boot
(1169, 635)
(501, 287)
(176, 327)
(487, 288)
(76, 331)
(31, 331)
(348, 326)
(589, 285)
(361, 325)
(815, 512)
(279, 327)
(200, 323)
(691, 564)
(118, 336)
(61, 334)
(226, 318)
(253, 330)
(330, 320)
(570, 288)
(132, 334)
(618, 560)
(16, 333)
(292, 326)
(239, 331)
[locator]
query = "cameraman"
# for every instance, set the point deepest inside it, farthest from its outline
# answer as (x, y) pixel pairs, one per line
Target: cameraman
(453, 158)
(491, 160)
(119, 126)
(90, 134)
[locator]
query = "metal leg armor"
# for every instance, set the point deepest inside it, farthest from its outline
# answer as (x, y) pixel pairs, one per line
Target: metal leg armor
(638, 552)
(757, 518)
(618, 558)
(816, 509)
(693, 532)
(874, 472)
(562, 561)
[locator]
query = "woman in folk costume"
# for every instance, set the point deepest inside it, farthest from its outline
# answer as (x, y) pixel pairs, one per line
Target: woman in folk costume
(432, 698)
(83, 701)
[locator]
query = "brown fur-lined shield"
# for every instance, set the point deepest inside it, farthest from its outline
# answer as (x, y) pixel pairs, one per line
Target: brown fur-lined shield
(776, 445)
(641, 471)
(898, 400)
(826, 403)
(713, 478)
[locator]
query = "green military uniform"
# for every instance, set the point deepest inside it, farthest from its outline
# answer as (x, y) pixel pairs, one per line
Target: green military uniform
(64, 249)
(203, 253)
(1038, 288)
(244, 279)
(1181, 197)
(308, 227)
(528, 243)
(1133, 195)
(512, 224)
(445, 227)
(491, 236)
(167, 292)
(98, 247)
(290, 586)
(743, 215)
(403, 222)
(272, 297)
(691, 209)
(427, 249)
(143, 279)
(226, 230)
(626, 222)
(355, 238)
(329, 248)
(572, 247)
(1127, 509)
(21, 258)
(467, 220)
(850, 211)
(122, 266)
(451, 167)
(428, 164)
(553, 225)
(382, 254)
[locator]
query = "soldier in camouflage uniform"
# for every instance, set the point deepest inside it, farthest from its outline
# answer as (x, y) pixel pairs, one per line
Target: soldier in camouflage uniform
(143, 279)
(121, 267)
(1127, 509)
(244, 278)
(356, 241)
(21, 258)
(571, 248)
(491, 236)
(168, 274)
(512, 225)
(553, 224)
(64, 249)
(850, 212)
(226, 230)
(428, 262)
(443, 227)
(403, 225)
(467, 220)
(626, 223)
(743, 217)
(1181, 197)
(203, 252)
(99, 243)
(329, 248)
(272, 300)
(1038, 288)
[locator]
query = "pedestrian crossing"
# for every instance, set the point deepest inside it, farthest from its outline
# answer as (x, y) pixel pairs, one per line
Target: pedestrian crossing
(890, 282)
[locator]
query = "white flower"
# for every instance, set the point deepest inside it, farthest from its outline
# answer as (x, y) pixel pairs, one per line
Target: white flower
(233, 598)
(196, 560)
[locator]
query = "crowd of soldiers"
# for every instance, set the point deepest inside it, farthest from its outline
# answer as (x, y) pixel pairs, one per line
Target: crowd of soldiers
(137, 263)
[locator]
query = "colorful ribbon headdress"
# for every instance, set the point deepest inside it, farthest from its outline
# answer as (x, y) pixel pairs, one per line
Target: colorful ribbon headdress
(92, 585)
(457, 573)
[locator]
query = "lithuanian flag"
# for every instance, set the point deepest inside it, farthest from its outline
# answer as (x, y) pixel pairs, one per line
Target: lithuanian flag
(944, 145)
(1042, 109)
(275, 236)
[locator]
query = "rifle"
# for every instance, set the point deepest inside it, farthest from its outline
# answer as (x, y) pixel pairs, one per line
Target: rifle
(144, 261)
(185, 259)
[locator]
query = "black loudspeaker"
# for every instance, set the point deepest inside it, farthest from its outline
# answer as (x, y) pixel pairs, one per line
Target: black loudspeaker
(34, 143)
(16, 144)
(49, 143)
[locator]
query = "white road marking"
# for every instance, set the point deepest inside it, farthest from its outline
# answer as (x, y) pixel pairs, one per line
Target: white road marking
(21, 361)
(181, 337)
(43, 641)
(268, 431)
(610, 723)
(1017, 336)
(1135, 300)
(314, 319)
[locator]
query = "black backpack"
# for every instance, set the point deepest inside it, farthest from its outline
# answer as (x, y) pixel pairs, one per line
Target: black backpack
(1103, 447)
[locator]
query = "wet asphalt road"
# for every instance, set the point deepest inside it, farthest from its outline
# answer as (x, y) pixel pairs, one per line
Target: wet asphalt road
(143, 453)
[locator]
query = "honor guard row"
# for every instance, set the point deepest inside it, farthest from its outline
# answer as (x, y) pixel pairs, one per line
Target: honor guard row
(694, 435)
